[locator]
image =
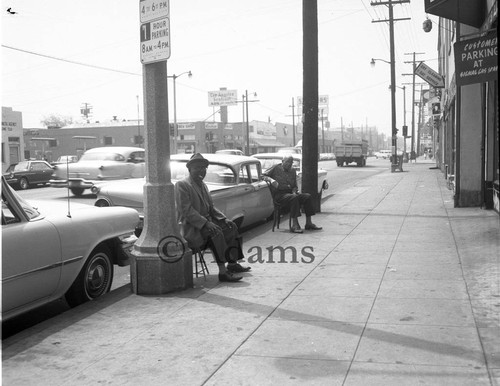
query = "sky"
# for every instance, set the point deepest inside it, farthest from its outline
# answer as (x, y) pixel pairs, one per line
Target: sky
(60, 54)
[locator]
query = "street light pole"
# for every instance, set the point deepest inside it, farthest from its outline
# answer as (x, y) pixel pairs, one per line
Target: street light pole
(248, 124)
(174, 77)
(293, 121)
(404, 117)
(139, 142)
(322, 132)
(245, 107)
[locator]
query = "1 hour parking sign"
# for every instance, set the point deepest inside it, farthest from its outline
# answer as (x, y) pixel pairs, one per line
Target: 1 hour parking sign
(155, 31)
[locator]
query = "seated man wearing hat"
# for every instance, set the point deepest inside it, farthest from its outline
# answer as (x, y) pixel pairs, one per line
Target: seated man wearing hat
(205, 225)
(287, 193)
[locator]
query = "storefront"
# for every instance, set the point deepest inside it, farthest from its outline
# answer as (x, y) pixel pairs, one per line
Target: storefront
(468, 132)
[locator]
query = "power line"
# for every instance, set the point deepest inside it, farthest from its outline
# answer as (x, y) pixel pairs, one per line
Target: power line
(70, 61)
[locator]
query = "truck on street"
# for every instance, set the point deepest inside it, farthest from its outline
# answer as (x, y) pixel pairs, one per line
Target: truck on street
(351, 151)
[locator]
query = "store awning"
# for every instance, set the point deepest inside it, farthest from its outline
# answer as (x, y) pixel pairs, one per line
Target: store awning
(267, 142)
(470, 12)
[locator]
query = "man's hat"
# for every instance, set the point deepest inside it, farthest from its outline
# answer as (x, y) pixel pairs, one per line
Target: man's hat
(195, 159)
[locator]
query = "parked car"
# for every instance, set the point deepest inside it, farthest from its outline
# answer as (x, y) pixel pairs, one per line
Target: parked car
(100, 164)
(65, 159)
(50, 251)
(235, 183)
(326, 156)
(28, 173)
(268, 160)
(293, 150)
(230, 151)
(383, 154)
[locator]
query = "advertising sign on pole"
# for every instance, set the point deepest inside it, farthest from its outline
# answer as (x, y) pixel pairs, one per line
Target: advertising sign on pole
(222, 98)
(429, 75)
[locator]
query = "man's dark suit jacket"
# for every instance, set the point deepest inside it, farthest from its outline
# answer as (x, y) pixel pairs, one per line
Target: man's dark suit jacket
(194, 205)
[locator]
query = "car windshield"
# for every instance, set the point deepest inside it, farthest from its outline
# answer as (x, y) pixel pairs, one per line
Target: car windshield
(216, 173)
(102, 157)
(18, 167)
(30, 211)
(268, 163)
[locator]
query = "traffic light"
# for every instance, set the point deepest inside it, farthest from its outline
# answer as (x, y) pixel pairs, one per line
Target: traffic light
(405, 131)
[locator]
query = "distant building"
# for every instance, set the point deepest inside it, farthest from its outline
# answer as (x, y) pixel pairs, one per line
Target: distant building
(12, 137)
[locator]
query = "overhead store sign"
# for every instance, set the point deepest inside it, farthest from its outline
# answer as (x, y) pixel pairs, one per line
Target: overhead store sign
(222, 98)
(476, 60)
(429, 75)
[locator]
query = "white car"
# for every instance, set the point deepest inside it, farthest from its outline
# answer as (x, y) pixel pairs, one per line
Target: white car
(235, 183)
(383, 154)
(100, 164)
(50, 251)
(230, 151)
(268, 160)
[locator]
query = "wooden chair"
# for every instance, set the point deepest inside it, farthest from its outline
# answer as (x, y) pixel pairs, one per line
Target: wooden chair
(278, 208)
(199, 259)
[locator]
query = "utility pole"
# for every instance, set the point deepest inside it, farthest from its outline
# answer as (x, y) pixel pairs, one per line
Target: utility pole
(390, 3)
(310, 100)
(342, 128)
(412, 147)
(420, 118)
(293, 121)
(86, 110)
(244, 100)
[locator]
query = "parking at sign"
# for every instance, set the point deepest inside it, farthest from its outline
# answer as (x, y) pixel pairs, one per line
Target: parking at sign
(155, 41)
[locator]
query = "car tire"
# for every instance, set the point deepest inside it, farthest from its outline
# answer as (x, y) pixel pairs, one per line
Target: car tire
(23, 183)
(77, 191)
(102, 203)
(95, 278)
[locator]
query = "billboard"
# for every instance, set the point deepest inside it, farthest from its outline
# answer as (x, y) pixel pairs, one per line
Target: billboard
(222, 98)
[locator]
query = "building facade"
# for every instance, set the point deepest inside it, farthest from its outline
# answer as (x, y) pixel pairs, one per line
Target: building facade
(467, 130)
(12, 137)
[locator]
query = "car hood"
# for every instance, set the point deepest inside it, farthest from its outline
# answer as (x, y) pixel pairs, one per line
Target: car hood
(86, 169)
(130, 193)
(134, 186)
(54, 211)
(48, 207)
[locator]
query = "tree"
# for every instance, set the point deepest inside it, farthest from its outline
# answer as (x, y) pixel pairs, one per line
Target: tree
(56, 121)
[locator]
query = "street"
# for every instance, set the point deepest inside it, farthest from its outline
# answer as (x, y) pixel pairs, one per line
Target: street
(339, 179)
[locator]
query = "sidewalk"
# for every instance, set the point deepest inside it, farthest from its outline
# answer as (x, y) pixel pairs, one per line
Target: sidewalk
(403, 289)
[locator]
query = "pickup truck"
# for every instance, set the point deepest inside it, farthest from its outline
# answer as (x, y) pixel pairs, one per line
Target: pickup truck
(351, 151)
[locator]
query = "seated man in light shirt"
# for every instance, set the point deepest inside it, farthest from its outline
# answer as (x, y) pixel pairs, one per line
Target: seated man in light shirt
(287, 193)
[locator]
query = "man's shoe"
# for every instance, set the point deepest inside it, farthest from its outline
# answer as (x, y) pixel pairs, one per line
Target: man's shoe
(313, 227)
(296, 229)
(237, 268)
(229, 277)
